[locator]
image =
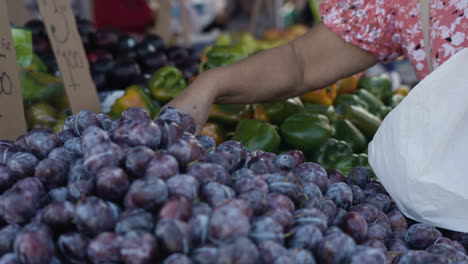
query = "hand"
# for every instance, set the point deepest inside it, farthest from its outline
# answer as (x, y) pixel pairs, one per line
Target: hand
(197, 100)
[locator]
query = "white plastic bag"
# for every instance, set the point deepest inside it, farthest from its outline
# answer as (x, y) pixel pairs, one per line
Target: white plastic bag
(420, 152)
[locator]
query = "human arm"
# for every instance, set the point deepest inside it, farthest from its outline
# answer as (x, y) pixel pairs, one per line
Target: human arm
(313, 61)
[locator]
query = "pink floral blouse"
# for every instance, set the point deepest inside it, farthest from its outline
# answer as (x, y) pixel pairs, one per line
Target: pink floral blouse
(389, 28)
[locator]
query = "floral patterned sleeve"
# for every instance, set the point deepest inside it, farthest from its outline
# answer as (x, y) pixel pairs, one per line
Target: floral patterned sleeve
(368, 24)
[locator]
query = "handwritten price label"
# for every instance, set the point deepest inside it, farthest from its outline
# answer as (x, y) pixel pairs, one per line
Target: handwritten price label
(12, 121)
(70, 55)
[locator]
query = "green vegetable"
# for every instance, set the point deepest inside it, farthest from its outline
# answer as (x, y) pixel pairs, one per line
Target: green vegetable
(314, 9)
(40, 115)
(366, 122)
(331, 152)
(39, 86)
(37, 64)
(278, 111)
(257, 134)
(349, 99)
(223, 55)
(223, 39)
(22, 39)
(135, 96)
(229, 114)
(396, 99)
(376, 106)
(380, 86)
(327, 110)
(166, 83)
(346, 131)
(347, 162)
(306, 131)
(248, 42)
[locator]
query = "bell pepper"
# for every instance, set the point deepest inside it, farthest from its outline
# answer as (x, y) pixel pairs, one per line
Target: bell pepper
(39, 86)
(385, 111)
(348, 85)
(60, 121)
(306, 131)
(346, 131)
(347, 162)
(380, 86)
(229, 114)
(366, 122)
(223, 39)
(219, 56)
(376, 106)
(166, 83)
(276, 112)
(259, 113)
(327, 110)
(135, 96)
(37, 64)
(396, 99)
(331, 152)
(215, 131)
(257, 134)
(248, 42)
(40, 115)
(325, 96)
(403, 90)
(349, 99)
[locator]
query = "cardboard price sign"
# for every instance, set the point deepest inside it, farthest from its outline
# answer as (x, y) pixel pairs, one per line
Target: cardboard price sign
(12, 121)
(70, 55)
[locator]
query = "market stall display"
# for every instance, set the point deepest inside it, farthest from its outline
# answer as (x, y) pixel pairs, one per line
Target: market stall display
(279, 182)
(117, 59)
(349, 111)
(136, 190)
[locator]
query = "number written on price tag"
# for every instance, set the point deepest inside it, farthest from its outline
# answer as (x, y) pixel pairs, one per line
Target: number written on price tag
(70, 55)
(12, 121)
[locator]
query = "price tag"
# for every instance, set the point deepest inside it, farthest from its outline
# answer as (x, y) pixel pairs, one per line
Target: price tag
(12, 121)
(19, 15)
(70, 55)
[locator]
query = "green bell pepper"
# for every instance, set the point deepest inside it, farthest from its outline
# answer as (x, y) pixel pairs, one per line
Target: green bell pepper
(37, 64)
(380, 86)
(135, 96)
(248, 41)
(347, 162)
(223, 39)
(257, 134)
(23, 43)
(219, 56)
(331, 152)
(376, 106)
(277, 112)
(366, 122)
(306, 131)
(40, 115)
(349, 99)
(396, 99)
(327, 110)
(346, 131)
(39, 86)
(166, 83)
(229, 114)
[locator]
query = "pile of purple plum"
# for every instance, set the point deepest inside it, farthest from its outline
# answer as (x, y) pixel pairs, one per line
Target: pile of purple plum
(118, 60)
(137, 190)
